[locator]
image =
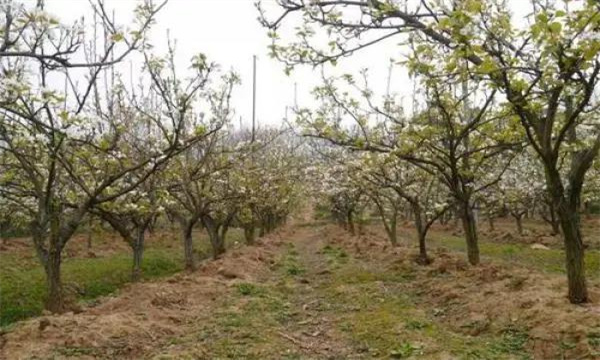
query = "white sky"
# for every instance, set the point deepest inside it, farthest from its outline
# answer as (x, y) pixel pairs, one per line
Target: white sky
(228, 32)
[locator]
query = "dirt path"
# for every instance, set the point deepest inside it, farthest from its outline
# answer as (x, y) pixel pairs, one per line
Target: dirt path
(311, 292)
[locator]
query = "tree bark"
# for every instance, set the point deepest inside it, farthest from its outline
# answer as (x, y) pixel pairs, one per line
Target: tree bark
(518, 219)
(350, 222)
(89, 235)
(393, 233)
(55, 301)
(217, 243)
(575, 259)
(421, 227)
(470, 229)
(423, 258)
(567, 210)
(389, 222)
(555, 227)
(188, 245)
(262, 231)
(491, 223)
(138, 252)
(587, 209)
(249, 234)
(216, 235)
(551, 218)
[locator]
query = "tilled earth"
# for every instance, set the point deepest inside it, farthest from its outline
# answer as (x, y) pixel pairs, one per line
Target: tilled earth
(314, 292)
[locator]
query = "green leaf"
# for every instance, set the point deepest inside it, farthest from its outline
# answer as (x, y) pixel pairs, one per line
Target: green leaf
(487, 66)
(117, 37)
(64, 115)
(200, 130)
(555, 27)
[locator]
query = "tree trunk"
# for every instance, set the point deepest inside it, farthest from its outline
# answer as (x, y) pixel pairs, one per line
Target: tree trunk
(55, 299)
(392, 232)
(388, 223)
(491, 223)
(218, 246)
(587, 209)
(350, 222)
(470, 229)
(567, 211)
(555, 228)
(552, 219)
(272, 223)
(188, 245)
(217, 241)
(249, 234)
(423, 259)
(4, 228)
(555, 223)
(138, 251)
(518, 219)
(89, 235)
(574, 251)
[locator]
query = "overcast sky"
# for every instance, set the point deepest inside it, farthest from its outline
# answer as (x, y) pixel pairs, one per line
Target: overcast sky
(228, 32)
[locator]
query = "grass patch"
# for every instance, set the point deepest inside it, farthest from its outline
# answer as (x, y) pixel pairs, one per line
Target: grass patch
(512, 342)
(384, 320)
(77, 351)
(406, 350)
(23, 284)
(335, 255)
(551, 260)
(249, 289)
(244, 326)
(290, 262)
(23, 292)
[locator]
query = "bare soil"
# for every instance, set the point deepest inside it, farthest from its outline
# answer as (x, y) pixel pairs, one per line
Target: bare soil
(314, 292)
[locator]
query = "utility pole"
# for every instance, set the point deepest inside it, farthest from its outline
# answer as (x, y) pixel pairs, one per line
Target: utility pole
(387, 88)
(389, 78)
(253, 98)
(296, 95)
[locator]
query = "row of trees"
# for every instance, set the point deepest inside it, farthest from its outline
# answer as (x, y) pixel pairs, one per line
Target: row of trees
(493, 85)
(78, 140)
(354, 185)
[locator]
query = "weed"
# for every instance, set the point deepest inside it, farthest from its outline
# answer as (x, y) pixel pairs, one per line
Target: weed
(594, 339)
(248, 289)
(77, 351)
(512, 342)
(290, 263)
(415, 325)
(405, 350)
(294, 269)
(567, 345)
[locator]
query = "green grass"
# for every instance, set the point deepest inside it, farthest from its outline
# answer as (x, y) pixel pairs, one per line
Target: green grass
(23, 291)
(22, 280)
(336, 256)
(290, 263)
(244, 326)
(384, 320)
(551, 260)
